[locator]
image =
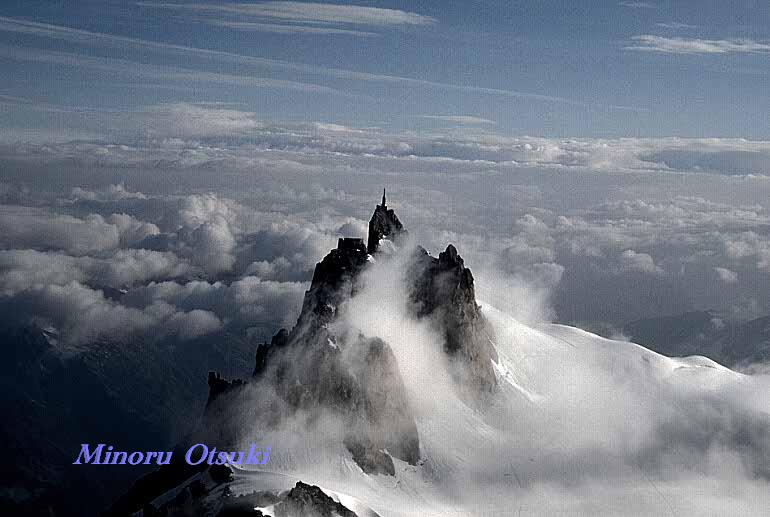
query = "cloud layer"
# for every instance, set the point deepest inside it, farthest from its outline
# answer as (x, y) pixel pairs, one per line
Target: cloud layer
(649, 226)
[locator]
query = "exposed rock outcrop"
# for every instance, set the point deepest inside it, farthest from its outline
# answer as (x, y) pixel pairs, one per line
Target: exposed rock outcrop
(442, 288)
(310, 501)
(303, 500)
(384, 223)
(333, 282)
(315, 369)
(358, 377)
(183, 490)
(219, 386)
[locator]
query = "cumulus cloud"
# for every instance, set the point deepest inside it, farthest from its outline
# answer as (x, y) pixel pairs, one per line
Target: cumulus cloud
(111, 193)
(749, 245)
(193, 324)
(301, 186)
(288, 250)
(630, 260)
(43, 229)
(531, 255)
(248, 302)
(25, 269)
(207, 235)
(115, 276)
(211, 246)
(82, 315)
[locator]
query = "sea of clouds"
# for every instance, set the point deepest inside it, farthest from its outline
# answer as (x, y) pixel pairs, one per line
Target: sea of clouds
(214, 218)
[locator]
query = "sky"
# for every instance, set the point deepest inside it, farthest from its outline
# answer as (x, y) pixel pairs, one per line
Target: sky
(601, 162)
(546, 68)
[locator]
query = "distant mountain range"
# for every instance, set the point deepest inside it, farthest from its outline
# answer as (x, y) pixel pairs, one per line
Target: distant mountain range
(53, 399)
(734, 344)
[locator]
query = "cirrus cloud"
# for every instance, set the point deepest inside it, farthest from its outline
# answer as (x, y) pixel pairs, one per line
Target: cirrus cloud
(677, 45)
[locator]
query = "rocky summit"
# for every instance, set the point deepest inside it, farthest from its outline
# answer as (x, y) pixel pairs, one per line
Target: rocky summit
(442, 288)
(312, 370)
(384, 223)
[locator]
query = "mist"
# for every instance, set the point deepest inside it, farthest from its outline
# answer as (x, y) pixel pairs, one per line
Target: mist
(581, 425)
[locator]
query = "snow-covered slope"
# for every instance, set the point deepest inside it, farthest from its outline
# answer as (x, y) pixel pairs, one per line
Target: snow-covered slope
(490, 414)
(582, 425)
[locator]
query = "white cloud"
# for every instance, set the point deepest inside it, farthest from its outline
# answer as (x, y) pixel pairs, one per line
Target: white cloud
(639, 5)
(26, 269)
(82, 314)
(179, 127)
(277, 28)
(208, 235)
(111, 193)
(42, 229)
(630, 260)
(193, 324)
(749, 245)
(189, 121)
(534, 213)
(246, 302)
(314, 13)
(675, 25)
(727, 276)
(652, 43)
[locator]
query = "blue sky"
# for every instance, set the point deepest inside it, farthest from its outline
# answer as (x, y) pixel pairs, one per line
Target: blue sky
(543, 68)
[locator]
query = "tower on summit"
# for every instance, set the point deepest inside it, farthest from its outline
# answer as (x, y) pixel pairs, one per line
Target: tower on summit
(383, 223)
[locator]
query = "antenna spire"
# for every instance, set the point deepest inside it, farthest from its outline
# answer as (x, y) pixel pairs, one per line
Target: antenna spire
(383, 197)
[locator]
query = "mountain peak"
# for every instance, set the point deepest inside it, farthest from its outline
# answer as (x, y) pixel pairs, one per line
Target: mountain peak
(357, 377)
(384, 223)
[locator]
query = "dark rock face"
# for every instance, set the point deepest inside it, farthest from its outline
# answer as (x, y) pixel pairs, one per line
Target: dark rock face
(369, 458)
(383, 223)
(310, 370)
(443, 288)
(310, 501)
(243, 505)
(167, 478)
(208, 492)
(219, 386)
(357, 377)
(332, 282)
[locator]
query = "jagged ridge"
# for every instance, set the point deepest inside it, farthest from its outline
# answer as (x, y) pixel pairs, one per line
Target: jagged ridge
(305, 365)
(357, 377)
